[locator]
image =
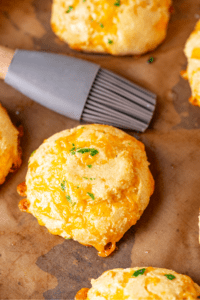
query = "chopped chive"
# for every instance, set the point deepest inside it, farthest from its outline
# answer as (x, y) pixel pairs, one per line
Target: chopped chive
(73, 204)
(89, 166)
(170, 276)
(32, 153)
(91, 195)
(72, 149)
(93, 152)
(63, 185)
(83, 150)
(117, 3)
(73, 152)
(73, 144)
(90, 178)
(138, 272)
(83, 126)
(91, 19)
(110, 41)
(84, 0)
(129, 143)
(101, 25)
(68, 238)
(150, 60)
(69, 9)
(85, 177)
(69, 199)
(77, 186)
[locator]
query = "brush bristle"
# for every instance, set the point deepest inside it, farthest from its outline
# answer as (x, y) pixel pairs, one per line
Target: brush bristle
(116, 101)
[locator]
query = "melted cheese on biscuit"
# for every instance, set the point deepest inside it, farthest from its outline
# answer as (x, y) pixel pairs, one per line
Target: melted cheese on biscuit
(113, 26)
(192, 51)
(132, 284)
(10, 152)
(91, 184)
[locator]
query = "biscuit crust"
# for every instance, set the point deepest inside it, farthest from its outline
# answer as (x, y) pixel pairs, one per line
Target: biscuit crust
(90, 183)
(10, 151)
(145, 283)
(192, 52)
(118, 27)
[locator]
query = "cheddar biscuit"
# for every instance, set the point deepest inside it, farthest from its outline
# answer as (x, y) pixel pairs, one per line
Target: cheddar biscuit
(118, 27)
(90, 183)
(141, 284)
(192, 52)
(10, 152)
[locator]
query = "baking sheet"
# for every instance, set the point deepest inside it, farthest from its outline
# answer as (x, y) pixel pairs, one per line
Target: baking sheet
(37, 265)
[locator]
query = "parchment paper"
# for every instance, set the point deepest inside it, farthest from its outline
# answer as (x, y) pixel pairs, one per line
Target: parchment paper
(37, 265)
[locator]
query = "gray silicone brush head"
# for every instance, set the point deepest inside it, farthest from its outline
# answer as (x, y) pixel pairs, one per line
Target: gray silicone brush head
(81, 90)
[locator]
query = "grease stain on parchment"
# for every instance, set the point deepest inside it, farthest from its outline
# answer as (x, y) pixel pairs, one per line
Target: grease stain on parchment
(74, 265)
(21, 243)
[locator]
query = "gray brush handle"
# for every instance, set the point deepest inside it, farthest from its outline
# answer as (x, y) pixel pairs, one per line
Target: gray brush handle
(58, 82)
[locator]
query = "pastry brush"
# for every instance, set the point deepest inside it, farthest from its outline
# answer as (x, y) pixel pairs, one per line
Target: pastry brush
(78, 89)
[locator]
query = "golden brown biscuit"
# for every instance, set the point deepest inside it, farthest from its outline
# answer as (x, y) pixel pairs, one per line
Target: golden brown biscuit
(10, 152)
(141, 284)
(192, 51)
(118, 27)
(89, 183)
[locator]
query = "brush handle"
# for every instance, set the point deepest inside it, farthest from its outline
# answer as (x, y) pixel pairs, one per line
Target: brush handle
(6, 56)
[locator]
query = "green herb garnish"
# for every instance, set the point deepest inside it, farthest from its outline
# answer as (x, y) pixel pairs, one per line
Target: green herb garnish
(68, 238)
(73, 204)
(84, 0)
(138, 272)
(110, 41)
(117, 3)
(91, 195)
(73, 150)
(150, 60)
(77, 186)
(83, 150)
(69, 9)
(101, 25)
(85, 177)
(69, 199)
(170, 276)
(32, 153)
(92, 151)
(84, 127)
(73, 144)
(89, 166)
(129, 143)
(63, 185)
